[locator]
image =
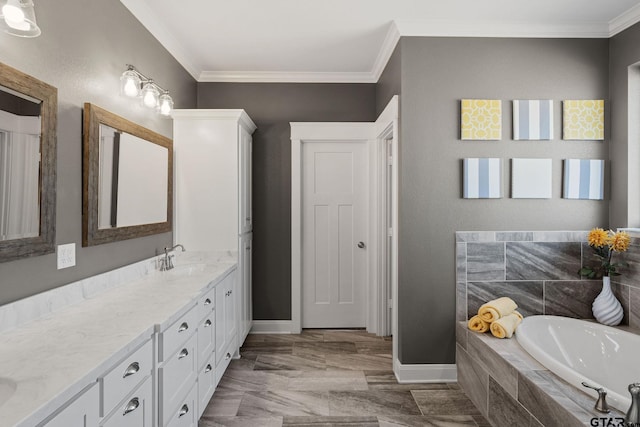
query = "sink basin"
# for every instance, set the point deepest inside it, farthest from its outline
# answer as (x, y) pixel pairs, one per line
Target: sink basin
(184, 270)
(7, 388)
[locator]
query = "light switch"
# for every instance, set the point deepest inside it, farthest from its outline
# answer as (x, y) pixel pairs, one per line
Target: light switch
(66, 255)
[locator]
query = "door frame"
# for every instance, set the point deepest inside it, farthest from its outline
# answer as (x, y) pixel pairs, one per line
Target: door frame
(375, 134)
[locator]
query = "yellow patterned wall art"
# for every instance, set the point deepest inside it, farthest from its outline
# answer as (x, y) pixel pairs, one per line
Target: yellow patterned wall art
(481, 119)
(583, 120)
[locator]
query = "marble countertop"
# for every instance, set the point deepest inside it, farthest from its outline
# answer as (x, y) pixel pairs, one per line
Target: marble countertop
(49, 360)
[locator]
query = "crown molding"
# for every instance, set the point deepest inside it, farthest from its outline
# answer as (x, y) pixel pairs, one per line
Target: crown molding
(470, 28)
(286, 77)
(397, 29)
(624, 21)
(148, 18)
(386, 50)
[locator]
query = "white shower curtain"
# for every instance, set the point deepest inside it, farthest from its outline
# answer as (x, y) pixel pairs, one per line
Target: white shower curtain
(19, 184)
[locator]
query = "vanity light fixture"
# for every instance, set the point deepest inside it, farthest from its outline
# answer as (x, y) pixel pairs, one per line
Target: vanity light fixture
(134, 84)
(18, 18)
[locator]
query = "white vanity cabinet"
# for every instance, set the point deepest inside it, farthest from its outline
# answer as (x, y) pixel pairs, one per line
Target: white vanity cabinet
(213, 207)
(81, 412)
(177, 365)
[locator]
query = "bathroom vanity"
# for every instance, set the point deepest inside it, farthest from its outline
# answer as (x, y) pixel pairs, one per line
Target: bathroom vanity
(121, 349)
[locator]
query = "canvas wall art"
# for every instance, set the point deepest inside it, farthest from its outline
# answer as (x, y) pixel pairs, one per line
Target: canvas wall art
(583, 120)
(583, 179)
(482, 178)
(481, 119)
(533, 119)
(531, 178)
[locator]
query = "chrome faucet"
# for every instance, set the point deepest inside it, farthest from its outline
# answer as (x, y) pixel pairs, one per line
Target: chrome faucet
(632, 418)
(167, 262)
(601, 403)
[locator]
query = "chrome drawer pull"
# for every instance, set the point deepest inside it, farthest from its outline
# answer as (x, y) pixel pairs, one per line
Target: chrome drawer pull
(132, 369)
(208, 368)
(184, 353)
(183, 411)
(227, 356)
(207, 301)
(131, 406)
(183, 327)
(207, 323)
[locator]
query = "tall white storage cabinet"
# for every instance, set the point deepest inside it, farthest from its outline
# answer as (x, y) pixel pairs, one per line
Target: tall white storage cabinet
(213, 191)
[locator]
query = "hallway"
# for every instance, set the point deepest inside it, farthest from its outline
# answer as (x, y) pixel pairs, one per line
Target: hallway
(329, 378)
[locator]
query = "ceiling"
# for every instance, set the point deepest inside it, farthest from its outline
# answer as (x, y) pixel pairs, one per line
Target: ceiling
(350, 40)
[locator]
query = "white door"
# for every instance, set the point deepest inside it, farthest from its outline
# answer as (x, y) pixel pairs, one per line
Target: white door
(334, 234)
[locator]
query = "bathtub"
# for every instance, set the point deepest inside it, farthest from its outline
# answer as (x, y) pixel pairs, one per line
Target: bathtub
(579, 350)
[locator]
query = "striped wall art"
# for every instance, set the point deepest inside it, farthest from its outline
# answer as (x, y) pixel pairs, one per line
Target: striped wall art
(482, 178)
(583, 179)
(533, 119)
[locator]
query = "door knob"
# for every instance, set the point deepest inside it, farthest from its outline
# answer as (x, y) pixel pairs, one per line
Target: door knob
(361, 245)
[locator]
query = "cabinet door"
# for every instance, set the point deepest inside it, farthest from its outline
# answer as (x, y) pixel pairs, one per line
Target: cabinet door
(230, 306)
(246, 147)
(220, 315)
(82, 412)
(243, 299)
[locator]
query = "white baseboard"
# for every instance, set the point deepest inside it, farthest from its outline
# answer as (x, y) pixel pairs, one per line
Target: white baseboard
(425, 373)
(271, 327)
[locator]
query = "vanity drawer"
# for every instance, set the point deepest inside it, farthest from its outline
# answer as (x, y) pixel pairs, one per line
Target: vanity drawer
(206, 303)
(176, 334)
(135, 411)
(186, 415)
(206, 383)
(206, 338)
(176, 377)
(122, 379)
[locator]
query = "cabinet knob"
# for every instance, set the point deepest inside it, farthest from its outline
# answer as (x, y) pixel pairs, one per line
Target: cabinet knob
(227, 356)
(207, 323)
(131, 369)
(183, 411)
(131, 406)
(208, 368)
(207, 301)
(183, 327)
(184, 353)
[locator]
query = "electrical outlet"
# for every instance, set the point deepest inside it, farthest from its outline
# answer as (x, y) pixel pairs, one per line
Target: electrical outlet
(66, 255)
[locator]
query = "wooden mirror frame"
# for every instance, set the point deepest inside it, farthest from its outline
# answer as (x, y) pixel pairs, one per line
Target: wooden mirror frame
(44, 243)
(92, 235)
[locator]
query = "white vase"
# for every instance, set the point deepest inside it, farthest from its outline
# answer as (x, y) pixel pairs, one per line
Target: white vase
(606, 308)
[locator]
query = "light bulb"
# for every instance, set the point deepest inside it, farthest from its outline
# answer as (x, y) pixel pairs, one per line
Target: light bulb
(166, 104)
(12, 14)
(130, 83)
(150, 95)
(130, 88)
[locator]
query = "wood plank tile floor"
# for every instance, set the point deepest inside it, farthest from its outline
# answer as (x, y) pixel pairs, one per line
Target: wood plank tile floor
(329, 378)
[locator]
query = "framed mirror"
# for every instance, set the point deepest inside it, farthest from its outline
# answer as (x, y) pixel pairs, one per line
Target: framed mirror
(127, 179)
(28, 118)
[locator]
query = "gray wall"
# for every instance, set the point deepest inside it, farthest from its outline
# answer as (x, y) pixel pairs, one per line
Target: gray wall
(272, 107)
(624, 51)
(436, 74)
(82, 51)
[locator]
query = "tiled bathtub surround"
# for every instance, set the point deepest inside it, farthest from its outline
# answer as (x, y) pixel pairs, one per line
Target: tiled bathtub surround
(511, 389)
(539, 271)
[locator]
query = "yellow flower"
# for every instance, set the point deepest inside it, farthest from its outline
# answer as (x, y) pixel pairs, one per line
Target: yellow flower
(598, 238)
(619, 241)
